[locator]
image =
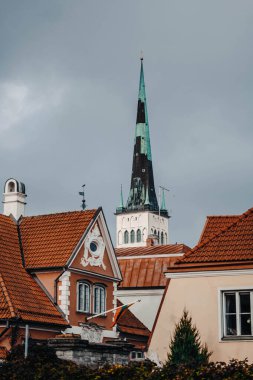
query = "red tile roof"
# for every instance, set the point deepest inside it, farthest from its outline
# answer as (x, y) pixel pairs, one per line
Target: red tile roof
(215, 224)
(231, 244)
(49, 240)
(145, 272)
(130, 324)
(21, 297)
(152, 250)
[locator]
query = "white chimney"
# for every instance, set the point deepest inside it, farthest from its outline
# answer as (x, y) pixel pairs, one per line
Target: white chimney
(14, 198)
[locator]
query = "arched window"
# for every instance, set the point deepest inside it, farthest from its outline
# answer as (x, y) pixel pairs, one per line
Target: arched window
(11, 187)
(155, 232)
(162, 238)
(138, 236)
(99, 299)
(119, 237)
(132, 236)
(83, 297)
(126, 237)
(158, 236)
(165, 238)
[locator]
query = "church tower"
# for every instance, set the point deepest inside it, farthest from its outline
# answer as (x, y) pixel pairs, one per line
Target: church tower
(142, 220)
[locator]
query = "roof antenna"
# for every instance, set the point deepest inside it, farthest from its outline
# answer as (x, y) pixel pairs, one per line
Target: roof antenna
(83, 205)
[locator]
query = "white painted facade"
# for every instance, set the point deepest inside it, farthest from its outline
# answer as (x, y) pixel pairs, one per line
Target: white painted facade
(13, 199)
(138, 226)
(145, 310)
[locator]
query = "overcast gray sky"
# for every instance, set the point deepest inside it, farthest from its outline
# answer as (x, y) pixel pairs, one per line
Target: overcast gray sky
(69, 72)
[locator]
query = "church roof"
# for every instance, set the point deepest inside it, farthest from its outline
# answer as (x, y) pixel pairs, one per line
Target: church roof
(21, 297)
(144, 267)
(49, 240)
(142, 195)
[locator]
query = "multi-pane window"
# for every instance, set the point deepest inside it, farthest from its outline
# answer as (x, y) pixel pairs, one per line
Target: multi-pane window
(99, 299)
(138, 236)
(83, 301)
(237, 313)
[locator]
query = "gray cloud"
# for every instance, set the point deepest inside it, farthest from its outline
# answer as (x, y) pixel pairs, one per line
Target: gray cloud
(69, 75)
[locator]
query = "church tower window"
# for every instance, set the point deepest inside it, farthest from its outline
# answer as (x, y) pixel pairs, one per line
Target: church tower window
(126, 237)
(138, 236)
(132, 236)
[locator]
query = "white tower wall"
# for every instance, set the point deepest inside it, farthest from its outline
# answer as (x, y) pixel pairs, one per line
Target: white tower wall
(142, 225)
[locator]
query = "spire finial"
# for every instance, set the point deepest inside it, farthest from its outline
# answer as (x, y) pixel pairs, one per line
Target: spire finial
(141, 56)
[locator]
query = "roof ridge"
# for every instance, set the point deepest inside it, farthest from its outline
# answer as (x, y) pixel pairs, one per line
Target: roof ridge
(221, 231)
(60, 213)
(224, 216)
(7, 297)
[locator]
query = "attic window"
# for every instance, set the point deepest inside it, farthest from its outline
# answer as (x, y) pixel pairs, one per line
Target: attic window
(93, 246)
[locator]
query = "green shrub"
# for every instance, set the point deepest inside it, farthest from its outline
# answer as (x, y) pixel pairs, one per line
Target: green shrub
(185, 347)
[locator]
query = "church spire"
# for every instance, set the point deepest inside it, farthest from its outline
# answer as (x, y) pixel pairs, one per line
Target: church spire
(142, 194)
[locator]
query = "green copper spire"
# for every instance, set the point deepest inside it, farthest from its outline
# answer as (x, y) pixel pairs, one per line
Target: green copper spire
(121, 207)
(142, 194)
(163, 205)
(142, 126)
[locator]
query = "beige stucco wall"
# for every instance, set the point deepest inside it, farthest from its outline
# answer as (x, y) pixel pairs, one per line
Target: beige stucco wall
(200, 297)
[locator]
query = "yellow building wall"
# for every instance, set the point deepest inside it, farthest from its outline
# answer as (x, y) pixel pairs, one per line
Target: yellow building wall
(200, 296)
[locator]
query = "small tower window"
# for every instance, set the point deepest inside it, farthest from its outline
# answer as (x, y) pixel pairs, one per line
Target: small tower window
(11, 187)
(138, 236)
(126, 237)
(155, 232)
(162, 238)
(132, 236)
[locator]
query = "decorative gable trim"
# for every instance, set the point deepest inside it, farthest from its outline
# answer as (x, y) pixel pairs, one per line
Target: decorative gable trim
(100, 219)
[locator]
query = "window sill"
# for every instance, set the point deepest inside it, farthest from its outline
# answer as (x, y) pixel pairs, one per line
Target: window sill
(90, 314)
(237, 338)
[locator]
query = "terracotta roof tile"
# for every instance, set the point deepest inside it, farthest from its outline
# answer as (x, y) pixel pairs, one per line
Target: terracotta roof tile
(21, 296)
(215, 224)
(152, 250)
(145, 272)
(231, 244)
(49, 240)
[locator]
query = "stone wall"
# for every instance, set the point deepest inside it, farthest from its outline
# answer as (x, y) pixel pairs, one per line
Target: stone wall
(91, 354)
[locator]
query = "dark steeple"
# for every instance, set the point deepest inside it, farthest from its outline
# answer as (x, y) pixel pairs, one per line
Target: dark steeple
(142, 194)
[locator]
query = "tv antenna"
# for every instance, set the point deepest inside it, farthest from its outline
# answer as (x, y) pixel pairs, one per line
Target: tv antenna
(83, 205)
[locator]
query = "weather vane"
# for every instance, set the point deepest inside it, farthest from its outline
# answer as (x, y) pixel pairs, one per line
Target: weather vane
(83, 205)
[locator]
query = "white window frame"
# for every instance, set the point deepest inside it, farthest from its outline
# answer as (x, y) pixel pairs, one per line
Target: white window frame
(222, 312)
(100, 287)
(88, 286)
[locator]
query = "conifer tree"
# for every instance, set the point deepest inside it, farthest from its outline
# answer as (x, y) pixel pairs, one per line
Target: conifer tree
(185, 347)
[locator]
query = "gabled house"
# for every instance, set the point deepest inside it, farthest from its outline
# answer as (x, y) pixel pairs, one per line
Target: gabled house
(214, 283)
(55, 270)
